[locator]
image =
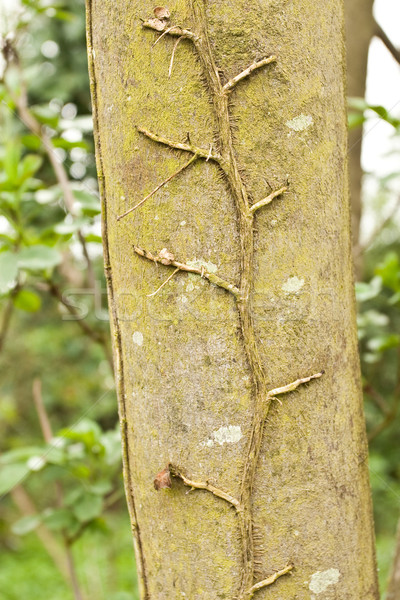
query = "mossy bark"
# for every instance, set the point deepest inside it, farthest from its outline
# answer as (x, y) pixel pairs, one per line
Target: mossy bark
(194, 362)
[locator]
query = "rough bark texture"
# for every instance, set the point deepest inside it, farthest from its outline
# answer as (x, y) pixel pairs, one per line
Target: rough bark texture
(284, 488)
(359, 31)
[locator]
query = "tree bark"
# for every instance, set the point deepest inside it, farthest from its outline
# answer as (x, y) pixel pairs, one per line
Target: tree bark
(360, 27)
(244, 105)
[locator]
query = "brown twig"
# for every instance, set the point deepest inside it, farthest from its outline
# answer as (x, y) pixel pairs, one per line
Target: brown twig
(175, 30)
(179, 145)
(268, 199)
(381, 34)
(269, 581)
(256, 65)
(200, 485)
(290, 387)
(167, 259)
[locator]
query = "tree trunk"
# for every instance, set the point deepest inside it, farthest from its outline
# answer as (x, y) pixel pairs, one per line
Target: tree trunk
(359, 31)
(218, 297)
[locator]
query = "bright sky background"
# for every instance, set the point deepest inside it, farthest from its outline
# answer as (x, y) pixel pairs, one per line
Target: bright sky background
(383, 87)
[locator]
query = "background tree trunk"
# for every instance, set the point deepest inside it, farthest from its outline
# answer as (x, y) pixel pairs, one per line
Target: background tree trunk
(359, 31)
(195, 361)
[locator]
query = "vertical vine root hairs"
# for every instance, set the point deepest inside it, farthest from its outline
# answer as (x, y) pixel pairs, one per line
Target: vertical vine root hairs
(225, 160)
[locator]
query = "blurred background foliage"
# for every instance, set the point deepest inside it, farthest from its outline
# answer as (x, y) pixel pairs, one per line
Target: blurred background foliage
(64, 528)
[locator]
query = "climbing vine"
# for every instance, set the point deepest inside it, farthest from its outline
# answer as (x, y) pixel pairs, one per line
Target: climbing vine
(225, 160)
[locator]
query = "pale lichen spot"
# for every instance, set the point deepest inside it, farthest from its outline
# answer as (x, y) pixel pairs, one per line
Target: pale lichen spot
(321, 580)
(182, 223)
(225, 435)
(190, 287)
(199, 263)
(300, 123)
(138, 338)
(183, 299)
(293, 285)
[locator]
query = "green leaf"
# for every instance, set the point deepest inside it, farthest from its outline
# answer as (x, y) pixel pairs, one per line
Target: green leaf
(93, 238)
(46, 115)
(367, 291)
(66, 228)
(38, 258)
(389, 271)
(48, 196)
(89, 203)
(60, 518)
(101, 487)
(357, 103)
(355, 119)
(8, 271)
(28, 166)
(28, 301)
(11, 160)
(88, 507)
(12, 475)
(26, 524)
(85, 431)
(31, 141)
(20, 454)
(383, 342)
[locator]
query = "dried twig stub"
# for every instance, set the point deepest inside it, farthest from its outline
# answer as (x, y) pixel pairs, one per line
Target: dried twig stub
(161, 12)
(163, 479)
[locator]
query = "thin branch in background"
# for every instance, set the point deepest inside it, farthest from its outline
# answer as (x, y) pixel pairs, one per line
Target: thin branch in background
(381, 34)
(22, 106)
(41, 410)
(73, 574)
(6, 320)
(393, 590)
(94, 335)
(378, 399)
(48, 436)
(361, 248)
(390, 411)
(27, 508)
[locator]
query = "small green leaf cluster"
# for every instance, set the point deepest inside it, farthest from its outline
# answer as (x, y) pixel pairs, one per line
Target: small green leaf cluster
(84, 461)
